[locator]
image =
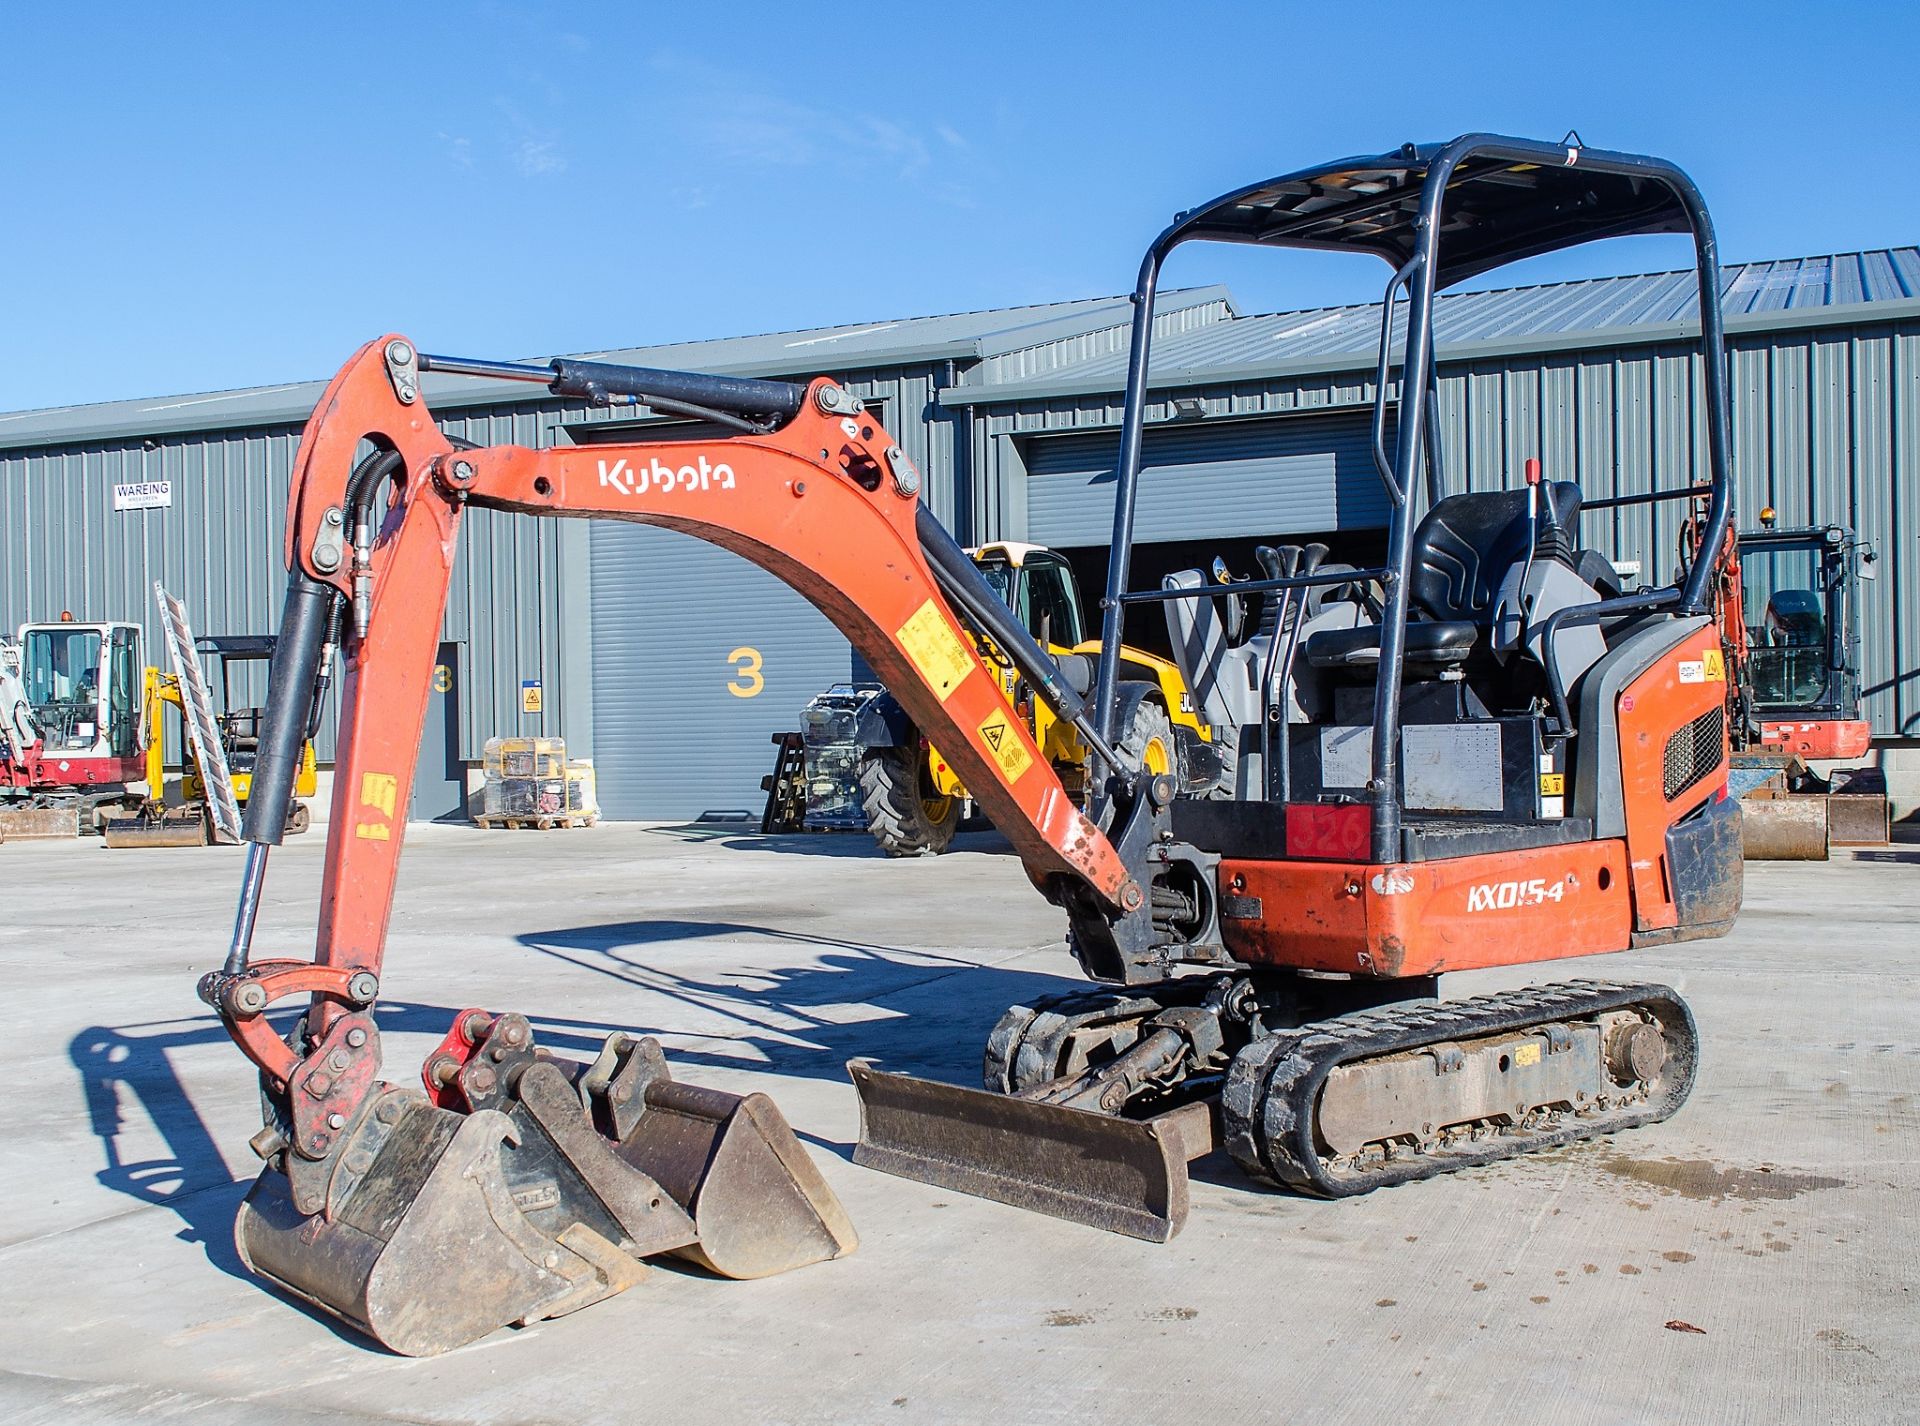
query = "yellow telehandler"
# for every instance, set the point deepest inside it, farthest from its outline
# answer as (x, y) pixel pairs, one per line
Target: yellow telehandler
(914, 801)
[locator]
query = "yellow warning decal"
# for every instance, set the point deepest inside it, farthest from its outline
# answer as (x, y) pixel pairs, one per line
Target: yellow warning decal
(1553, 784)
(936, 650)
(1716, 666)
(379, 790)
(997, 733)
(1527, 1054)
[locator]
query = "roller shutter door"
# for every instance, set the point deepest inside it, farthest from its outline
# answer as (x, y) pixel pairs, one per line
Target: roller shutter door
(1203, 480)
(698, 659)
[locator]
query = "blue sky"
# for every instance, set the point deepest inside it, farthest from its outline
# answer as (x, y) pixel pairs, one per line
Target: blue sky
(199, 200)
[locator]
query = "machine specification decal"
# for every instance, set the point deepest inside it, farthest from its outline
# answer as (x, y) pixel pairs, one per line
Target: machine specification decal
(1506, 895)
(657, 475)
(996, 731)
(936, 650)
(1709, 668)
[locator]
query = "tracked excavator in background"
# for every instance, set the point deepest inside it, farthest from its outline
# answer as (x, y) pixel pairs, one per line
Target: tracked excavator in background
(1482, 757)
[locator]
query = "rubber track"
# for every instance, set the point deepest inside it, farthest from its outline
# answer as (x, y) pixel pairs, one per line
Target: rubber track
(1273, 1086)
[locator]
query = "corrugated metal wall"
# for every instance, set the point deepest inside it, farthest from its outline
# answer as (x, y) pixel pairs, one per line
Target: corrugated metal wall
(517, 604)
(1826, 428)
(1202, 479)
(699, 658)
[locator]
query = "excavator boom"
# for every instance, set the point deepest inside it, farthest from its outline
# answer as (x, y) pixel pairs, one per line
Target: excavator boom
(544, 1160)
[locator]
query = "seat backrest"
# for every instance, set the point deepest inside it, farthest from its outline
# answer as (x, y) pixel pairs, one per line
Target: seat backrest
(1220, 678)
(1465, 544)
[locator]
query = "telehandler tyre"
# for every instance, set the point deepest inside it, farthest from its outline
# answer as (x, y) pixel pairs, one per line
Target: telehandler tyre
(907, 815)
(1148, 741)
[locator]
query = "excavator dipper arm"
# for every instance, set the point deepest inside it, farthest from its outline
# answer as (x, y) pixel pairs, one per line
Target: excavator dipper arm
(827, 502)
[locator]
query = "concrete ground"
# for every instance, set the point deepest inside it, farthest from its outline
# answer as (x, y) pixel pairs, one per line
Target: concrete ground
(1751, 1260)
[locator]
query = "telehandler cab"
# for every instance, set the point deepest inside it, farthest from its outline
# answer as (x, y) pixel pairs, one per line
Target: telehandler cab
(1511, 763)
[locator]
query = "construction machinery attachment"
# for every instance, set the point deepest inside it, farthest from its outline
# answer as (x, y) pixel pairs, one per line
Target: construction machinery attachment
(520, 1186)
(1086, 1166)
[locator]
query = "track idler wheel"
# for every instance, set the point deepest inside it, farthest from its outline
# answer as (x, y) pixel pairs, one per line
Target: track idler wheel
(441, 1222)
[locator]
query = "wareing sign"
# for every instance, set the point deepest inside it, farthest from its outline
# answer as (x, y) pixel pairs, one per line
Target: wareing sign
(143, 495)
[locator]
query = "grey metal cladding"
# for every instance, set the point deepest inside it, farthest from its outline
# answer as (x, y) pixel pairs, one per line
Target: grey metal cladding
(1200, 479)
(683, 720)
(965, 336)
(1590, 311)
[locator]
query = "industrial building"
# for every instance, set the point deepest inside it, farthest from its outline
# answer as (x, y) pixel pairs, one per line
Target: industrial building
(671, 663)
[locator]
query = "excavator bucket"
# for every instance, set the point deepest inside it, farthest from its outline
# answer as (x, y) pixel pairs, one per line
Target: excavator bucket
(433, 1226)
(182, 827)
(1124, 1175)
(39, 824)
(1784, 828)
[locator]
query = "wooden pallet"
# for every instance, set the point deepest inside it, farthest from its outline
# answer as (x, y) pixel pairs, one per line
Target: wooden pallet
(543, 822)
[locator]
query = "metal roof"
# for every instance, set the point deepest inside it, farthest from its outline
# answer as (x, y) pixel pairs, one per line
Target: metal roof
(850, 346)
(1862, 286)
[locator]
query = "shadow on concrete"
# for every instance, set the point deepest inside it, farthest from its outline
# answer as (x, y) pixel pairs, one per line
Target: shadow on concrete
(859, 844)
(925, 1013)
(1896, 856)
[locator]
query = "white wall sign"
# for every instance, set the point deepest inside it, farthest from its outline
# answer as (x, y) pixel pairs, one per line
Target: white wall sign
(143, 495)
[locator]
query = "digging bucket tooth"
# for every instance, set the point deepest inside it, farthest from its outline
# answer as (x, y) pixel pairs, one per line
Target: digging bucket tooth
(439, 1226)
(1124, 1175)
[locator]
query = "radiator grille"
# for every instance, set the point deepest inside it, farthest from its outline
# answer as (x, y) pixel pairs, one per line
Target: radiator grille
(1694, 751)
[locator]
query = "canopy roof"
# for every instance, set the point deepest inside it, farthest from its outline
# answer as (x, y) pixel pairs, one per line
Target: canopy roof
(1521, 199)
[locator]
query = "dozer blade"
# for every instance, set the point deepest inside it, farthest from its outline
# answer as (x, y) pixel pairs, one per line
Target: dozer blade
(1859, 819)
(1124, 1175)
(434, 1226)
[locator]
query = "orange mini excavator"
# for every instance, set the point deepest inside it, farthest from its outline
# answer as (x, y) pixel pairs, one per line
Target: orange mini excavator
(1481, 752)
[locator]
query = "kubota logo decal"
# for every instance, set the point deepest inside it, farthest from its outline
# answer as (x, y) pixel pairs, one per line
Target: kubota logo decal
(658, 475)
(1507, 895)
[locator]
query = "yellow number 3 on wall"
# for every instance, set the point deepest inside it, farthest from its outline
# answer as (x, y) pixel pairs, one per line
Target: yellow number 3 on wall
(747, 680)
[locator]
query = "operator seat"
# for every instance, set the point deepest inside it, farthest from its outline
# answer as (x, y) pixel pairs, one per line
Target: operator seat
(1462, 551)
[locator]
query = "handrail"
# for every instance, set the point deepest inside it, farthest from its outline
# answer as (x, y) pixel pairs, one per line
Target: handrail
(1645, 497)
(1589, 614)
(1395, 491)
(1252, 586)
